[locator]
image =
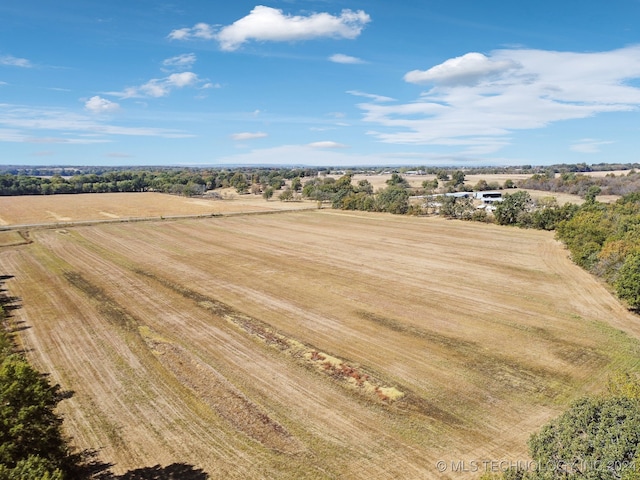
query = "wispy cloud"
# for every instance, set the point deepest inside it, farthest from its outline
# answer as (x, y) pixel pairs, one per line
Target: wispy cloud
(48, 125)
(477, 101)
(180, 62)
(273, 25)
(371, 96)
(327, 144)
(248, 135)
(199, 30)
(347, 59)
(588, 145)
(11, 61)
(160, 87)
(97, 104)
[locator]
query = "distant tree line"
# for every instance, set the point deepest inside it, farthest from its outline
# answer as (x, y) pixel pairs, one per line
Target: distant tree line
(20, 180)
(186, 182)
(580, 184)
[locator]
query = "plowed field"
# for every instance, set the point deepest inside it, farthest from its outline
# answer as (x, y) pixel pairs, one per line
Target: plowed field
(316, 344)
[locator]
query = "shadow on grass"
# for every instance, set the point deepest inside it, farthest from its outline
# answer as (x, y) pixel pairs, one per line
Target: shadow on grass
(90, 467)
(175, 471)
(97, 470)
(85, 465)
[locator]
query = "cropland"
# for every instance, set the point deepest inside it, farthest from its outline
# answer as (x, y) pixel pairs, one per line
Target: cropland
(96, 207)
(310, 344)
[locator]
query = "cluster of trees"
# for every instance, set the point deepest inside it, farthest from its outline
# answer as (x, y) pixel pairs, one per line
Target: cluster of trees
(521, 210)
(605, 239)
(32, 446)
(579, 184)
(597, 438)
(186, 182)
(343, 194)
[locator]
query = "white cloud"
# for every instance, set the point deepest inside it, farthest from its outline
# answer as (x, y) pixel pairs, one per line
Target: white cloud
(465, 70)
(327, 144)
(477, 101)
(248, 135)
(46, 125)
(183, 79)
(371, 96)
(199, 30)
(160, 87)
(588, 145)
(271, 24)
(11, 61)
(186, 60)
(341, 58)
(98, 104)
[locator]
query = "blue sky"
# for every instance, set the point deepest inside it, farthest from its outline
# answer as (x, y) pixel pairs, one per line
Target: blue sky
(326, 82)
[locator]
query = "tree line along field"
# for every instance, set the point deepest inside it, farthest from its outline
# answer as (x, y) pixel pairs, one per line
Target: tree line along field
(318, 344)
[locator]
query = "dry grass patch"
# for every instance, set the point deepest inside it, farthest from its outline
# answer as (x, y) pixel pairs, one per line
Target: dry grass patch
(313, 344)
(14, 238)
(43, 209)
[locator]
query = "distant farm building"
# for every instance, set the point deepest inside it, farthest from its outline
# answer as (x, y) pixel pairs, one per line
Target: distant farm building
(460, 194)
(489, 196)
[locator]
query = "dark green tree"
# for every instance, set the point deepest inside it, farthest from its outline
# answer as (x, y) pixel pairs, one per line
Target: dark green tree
(296, 184)
(239, 182)
(596, 439)
(29, 426)
(268, 193)
(393, 199)
(286, 195)
(364, 186)
(628, 281)
(457, 178)
(31, 468)
(398, 180)
(592, 192)
(509, 211)
(442, 175)
(457, 207)
(342, 188)
(430, 185)
(585, 234)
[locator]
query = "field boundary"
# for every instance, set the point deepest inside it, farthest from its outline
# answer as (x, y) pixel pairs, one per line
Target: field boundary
(161, 218)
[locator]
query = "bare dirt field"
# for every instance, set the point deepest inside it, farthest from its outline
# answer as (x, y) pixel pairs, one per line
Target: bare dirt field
(37, 209)
(318, 344)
